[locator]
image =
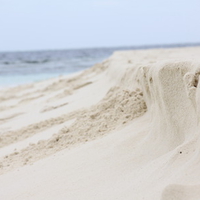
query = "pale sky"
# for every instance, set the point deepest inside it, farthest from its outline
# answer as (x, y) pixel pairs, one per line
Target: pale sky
(65, 24)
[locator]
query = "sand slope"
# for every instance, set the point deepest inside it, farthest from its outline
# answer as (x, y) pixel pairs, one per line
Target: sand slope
(128, 128)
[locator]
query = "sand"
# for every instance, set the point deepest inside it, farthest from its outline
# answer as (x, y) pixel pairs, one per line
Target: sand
(127, 128)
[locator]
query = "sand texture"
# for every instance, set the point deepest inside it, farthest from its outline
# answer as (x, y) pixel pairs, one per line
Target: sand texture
(125, 129)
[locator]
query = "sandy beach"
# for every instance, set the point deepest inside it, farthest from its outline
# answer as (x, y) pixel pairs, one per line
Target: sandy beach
(124, 129)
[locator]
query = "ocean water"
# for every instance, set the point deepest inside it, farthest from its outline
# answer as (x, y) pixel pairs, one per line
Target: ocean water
(17, 68)
(25, 67)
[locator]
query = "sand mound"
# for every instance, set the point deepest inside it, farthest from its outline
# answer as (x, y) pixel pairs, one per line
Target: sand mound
(127, 128)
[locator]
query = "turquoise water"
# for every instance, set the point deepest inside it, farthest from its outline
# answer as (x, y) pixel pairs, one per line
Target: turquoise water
(18, 68)
(24, 79)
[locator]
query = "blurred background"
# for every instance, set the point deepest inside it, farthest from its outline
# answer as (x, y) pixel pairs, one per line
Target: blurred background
(40, 39)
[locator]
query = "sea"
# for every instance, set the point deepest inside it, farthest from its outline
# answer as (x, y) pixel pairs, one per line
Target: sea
(18, 68)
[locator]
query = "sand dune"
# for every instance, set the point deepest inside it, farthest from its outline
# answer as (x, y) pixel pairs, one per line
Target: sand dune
(127, 128)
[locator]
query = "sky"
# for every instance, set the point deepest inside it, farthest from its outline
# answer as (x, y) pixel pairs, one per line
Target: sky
(66, 24)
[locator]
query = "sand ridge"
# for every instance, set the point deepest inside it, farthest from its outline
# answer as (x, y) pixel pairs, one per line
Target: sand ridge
(90, 124)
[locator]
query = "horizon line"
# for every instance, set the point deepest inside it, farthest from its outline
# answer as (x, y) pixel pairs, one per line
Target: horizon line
(134, 47)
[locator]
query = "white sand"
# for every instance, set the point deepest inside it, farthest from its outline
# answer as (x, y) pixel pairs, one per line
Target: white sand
(126, 129)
